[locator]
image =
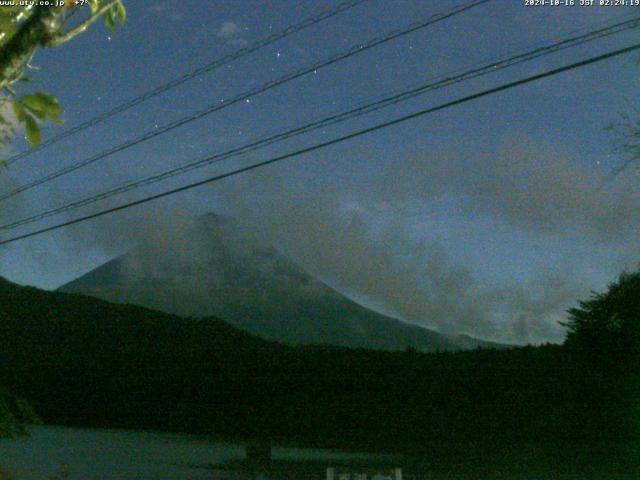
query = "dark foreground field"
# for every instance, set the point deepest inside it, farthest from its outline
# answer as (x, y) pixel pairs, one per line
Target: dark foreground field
(84, 362)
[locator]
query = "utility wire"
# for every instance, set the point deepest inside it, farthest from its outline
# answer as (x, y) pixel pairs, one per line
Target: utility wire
(213, 65)
(328, 143)
(337, 118)
(354, 50)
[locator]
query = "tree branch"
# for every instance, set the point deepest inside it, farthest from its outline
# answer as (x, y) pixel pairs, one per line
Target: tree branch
(17, 51)
(61, 38)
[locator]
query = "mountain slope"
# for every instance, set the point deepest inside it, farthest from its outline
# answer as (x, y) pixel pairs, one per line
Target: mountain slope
(218, 268)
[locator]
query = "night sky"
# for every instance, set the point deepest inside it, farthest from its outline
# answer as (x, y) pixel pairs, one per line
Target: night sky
(487, 218)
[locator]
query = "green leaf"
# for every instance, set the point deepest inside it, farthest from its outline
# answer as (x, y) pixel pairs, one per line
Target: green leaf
(41, 105)
(34, 103)
(46, 98)
(26, 78)
(18, 109)
(41, 114)
(3, 121)
(52, 107)
(109, 18)
(121, 12)
(32, 131)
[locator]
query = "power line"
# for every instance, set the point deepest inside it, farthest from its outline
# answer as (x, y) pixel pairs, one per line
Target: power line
(328, 143)
(354, 50)
(217, 63)
(337, 118)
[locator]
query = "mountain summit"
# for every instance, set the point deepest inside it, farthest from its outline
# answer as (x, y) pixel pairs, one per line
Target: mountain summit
(218, 267)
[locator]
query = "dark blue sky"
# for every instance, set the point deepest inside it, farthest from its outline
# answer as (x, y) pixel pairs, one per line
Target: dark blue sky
(486, 216)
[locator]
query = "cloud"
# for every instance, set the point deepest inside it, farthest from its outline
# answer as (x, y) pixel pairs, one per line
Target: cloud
(228, 30)
(381, 239)
(527, 185)
(238, 42)
(362, 236)
(343, 240)
(167, 9)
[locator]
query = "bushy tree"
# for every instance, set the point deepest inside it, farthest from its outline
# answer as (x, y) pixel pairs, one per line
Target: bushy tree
(608, 324)
(604, 338)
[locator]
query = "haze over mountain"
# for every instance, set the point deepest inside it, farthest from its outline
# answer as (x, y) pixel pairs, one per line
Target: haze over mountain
(218, 267)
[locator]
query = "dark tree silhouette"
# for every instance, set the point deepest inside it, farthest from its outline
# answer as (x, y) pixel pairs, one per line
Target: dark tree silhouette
(604, 338)
(608, 324)
(15, 414)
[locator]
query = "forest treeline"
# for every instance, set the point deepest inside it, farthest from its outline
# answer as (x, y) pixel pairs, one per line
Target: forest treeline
(80, 361)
